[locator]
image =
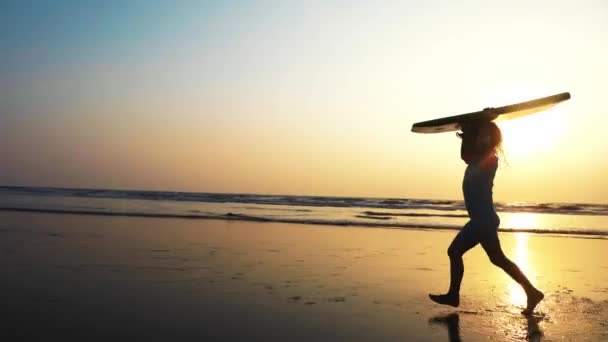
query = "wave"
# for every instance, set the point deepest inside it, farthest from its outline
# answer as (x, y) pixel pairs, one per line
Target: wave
(312, 201)
(596, 234)
(391, 214)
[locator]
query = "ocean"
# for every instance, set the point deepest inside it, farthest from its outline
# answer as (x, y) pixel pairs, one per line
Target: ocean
(571, 219)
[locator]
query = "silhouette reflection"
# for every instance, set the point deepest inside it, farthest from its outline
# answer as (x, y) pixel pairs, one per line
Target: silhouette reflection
(452, 323)
(534, 332)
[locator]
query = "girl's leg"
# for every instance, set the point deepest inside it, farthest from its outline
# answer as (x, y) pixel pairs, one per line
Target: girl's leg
(465, 240)
(498, 258)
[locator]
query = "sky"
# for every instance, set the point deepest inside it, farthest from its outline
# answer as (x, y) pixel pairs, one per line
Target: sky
(300, 97)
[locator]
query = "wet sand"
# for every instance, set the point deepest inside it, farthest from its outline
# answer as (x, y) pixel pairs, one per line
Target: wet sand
(74, 277)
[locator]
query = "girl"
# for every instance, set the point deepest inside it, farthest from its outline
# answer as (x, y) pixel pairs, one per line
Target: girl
(480, 142)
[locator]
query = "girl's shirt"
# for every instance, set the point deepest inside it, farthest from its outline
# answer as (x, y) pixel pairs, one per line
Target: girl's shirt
(478, 178)
(477, 188)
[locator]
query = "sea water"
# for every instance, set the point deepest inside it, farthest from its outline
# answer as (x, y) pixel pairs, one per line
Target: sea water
(577, 219)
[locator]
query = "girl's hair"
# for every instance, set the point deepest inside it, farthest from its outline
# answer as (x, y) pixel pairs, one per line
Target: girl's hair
(495, 135)
(490, 131)
(495, 138)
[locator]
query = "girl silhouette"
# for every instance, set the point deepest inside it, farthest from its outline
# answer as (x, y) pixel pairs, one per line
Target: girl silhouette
(481, 140)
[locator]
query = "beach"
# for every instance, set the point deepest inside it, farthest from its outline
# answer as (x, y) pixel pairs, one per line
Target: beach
(90, 277)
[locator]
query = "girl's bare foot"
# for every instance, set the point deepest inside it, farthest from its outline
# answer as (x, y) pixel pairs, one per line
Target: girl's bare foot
(446, 299)
(534, 297)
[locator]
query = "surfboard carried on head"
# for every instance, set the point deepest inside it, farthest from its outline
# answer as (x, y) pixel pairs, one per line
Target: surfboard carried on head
(452, 123)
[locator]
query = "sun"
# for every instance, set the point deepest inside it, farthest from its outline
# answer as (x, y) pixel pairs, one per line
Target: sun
(535, 133)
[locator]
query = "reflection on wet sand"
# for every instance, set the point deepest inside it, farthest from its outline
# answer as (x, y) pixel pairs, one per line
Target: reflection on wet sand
(518, 296)
(521, 257)
(452, 323)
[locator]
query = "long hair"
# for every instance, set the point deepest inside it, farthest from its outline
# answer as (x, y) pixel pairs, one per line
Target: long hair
(494, 136)
(481, 138)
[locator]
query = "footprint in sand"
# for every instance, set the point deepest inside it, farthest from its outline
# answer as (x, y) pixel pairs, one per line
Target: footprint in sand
(57, 235)
(294, 299)
(338, 299)
(422, 269)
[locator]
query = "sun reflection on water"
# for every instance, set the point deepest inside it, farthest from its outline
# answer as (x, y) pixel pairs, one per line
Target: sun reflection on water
(523, 220)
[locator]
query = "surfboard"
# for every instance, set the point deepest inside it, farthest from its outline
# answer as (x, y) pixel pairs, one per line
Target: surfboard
(452, 123)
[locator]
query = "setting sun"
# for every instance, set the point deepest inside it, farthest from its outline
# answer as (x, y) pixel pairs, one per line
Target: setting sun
(533, 133)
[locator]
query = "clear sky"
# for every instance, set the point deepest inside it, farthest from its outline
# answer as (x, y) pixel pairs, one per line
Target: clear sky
(299, 97)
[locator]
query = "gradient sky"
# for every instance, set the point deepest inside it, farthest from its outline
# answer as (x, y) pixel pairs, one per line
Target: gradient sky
(299, 97)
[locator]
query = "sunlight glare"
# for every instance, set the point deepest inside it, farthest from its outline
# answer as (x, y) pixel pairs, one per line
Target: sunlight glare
(528, 135)
(521, 221)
